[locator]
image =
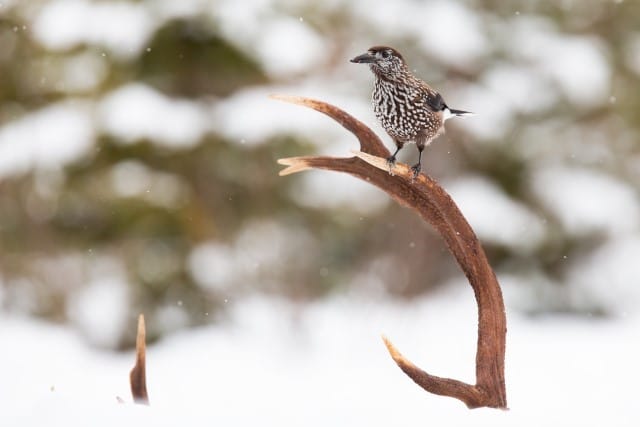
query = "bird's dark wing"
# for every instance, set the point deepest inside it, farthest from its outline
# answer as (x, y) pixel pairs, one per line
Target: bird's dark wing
(434, 100)
(429, 98)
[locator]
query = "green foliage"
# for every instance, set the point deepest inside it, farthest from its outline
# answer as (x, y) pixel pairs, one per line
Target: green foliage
(57, 226)
(187, 58)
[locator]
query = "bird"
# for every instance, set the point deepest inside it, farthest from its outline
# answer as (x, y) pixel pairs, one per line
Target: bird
(409, 110)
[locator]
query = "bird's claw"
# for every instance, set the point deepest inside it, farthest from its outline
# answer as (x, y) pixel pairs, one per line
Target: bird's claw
(391, 163)
(416, 170)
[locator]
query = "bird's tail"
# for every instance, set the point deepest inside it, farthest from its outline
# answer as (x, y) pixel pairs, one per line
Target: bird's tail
(460, 112)
(450, 112)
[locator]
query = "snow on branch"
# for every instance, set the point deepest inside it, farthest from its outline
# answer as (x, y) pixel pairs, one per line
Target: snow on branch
(424, 195)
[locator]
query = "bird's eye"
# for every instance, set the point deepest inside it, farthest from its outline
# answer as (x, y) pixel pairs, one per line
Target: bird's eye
(385, 54)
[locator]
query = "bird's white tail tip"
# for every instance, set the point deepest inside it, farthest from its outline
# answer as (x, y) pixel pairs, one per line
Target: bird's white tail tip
(448, 113)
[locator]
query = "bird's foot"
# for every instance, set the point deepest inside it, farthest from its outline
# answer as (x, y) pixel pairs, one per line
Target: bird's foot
(391, 163)
(416, 170)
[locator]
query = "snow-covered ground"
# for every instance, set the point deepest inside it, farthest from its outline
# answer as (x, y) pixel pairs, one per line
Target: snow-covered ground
(272, 362)
(275, 363)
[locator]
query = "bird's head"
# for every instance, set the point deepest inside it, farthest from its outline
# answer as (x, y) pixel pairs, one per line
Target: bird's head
(383, 60)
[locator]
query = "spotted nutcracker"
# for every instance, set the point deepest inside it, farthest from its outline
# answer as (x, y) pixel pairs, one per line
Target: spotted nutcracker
(407, 107)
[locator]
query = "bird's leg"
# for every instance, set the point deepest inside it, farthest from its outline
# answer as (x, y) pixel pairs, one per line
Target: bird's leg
(418, 166)
(391, 160)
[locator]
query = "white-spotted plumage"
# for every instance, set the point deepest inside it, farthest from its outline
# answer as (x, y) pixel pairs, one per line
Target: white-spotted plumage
(408, 109)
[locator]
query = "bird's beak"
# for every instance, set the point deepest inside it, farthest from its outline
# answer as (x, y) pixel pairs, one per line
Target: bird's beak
(365, 58)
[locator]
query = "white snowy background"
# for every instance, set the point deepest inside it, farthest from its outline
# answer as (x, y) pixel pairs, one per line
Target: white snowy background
(275, 362)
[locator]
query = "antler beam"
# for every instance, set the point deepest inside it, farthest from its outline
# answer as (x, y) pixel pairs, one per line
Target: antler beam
(435, 206)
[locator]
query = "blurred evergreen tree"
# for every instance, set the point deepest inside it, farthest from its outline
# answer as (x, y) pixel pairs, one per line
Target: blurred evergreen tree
(56, 225)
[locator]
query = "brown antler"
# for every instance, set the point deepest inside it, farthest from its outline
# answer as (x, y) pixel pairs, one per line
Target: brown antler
(437, 208)
(138, 375)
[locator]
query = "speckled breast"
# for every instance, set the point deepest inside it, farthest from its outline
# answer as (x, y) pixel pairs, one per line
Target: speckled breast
(402, 111)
